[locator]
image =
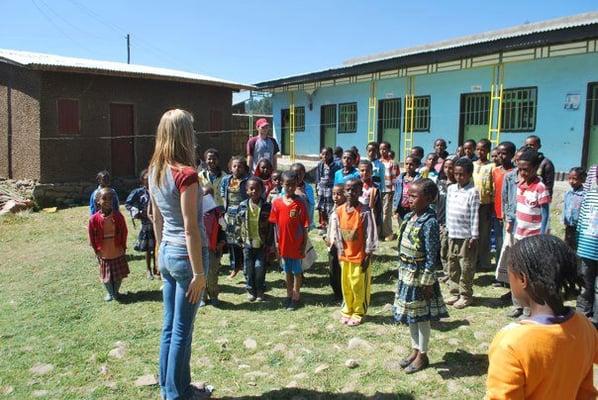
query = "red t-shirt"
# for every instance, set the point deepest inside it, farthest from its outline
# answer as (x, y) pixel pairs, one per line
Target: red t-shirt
(498, 177)
(291, 221)
(184, 177)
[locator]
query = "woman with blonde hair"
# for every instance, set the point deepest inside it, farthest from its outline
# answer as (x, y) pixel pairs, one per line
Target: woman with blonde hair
(183, 253)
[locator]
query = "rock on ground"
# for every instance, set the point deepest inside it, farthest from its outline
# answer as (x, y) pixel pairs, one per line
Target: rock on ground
(250, 344)
(358, 343)
(321, 368)
(119, 350)
(146, 380)
(351, 363)
(42, 369)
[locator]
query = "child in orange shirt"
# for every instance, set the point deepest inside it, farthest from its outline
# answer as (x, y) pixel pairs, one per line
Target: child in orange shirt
(354, 233)
(108, 238)
(550, 354)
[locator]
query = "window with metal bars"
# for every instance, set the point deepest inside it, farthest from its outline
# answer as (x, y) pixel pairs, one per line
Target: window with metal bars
(594, 103)
(476, 109)
(421, 114)
(519, 110)
(347, 118)
(390, 114)
(299, 119)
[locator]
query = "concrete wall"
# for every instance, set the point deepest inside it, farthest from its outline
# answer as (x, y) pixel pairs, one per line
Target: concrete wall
(79, 157)
(561, 130)
(19, 118)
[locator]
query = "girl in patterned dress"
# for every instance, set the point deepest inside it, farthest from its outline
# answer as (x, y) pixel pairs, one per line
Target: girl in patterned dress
(324, 182)
(137, 204)
(418, 299)
(108, 238)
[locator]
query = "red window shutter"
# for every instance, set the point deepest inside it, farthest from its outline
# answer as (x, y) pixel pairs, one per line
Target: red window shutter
(216, 121)
(68, 116)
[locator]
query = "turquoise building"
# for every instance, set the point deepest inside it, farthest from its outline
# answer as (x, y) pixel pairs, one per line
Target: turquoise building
(539, 78)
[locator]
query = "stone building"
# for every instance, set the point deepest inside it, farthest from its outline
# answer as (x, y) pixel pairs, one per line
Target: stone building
(63, 119)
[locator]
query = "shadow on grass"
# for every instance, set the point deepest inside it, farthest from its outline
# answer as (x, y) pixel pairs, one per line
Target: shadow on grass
(491, 302)
(296, 393)
(271, 303)
(445, 326)
(460, 364)
(140, 296)
(381, 298)
(484, 280)
(135, 256)
(388, 276)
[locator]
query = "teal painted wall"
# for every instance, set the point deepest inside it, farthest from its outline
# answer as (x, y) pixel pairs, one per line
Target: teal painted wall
(561, 130)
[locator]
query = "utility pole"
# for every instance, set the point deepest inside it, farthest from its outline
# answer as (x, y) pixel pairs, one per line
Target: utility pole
(128, 48)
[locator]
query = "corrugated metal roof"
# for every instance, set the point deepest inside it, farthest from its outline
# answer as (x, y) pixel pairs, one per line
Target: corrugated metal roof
(514, 31)
(543, 27)
(51, 62)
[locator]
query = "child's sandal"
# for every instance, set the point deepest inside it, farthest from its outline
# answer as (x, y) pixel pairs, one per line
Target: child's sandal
(345, 320)
(353, 322)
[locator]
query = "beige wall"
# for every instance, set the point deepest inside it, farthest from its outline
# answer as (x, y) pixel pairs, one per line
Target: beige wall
(19, 114)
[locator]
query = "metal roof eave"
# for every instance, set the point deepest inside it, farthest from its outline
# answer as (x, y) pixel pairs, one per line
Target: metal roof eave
(536, 39)
(137, 75)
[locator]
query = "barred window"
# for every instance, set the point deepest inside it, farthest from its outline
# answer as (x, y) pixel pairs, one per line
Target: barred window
(299, 119)
(519, 110)
(476, 109)
(390, 113)
(421, 114)
(347, 117)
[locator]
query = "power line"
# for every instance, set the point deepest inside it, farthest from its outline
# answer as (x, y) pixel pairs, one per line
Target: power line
(140, 41)
(58, 28)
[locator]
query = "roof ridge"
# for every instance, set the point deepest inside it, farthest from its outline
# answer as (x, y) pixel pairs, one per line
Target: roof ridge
(511, 31)
(37, 60)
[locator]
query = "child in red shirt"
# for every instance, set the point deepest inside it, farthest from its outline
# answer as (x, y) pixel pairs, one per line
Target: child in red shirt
(289, 214)
(108, 238)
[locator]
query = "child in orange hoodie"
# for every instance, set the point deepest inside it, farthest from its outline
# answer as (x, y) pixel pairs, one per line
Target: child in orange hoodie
(550, 354)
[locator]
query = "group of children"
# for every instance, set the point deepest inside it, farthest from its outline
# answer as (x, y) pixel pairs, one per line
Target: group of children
(448, 209)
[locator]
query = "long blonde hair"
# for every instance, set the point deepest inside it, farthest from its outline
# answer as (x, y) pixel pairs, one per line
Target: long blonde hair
(175, 143)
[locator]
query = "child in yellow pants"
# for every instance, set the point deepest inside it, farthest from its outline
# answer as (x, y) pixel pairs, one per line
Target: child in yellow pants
(354, 233)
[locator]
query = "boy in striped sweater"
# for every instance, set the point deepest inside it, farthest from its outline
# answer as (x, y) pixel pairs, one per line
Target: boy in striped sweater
(462, 223)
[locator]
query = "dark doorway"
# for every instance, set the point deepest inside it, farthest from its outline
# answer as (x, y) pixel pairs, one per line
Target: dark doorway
(122, 144)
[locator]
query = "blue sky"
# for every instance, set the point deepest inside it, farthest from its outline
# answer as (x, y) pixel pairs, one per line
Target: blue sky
(252, 41)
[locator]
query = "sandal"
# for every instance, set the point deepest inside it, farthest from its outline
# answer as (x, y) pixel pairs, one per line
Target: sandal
(345, 320)
(353, 322)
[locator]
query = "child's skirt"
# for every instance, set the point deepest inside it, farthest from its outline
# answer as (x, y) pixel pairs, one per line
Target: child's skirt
(410, 305)
(146, 240)
(114, 269)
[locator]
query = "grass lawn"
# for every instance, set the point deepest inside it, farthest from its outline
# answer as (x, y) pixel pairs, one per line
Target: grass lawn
(56, 331)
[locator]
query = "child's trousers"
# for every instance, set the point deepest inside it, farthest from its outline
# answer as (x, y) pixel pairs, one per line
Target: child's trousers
(235, 252)
(420, 335)
(212, 289)
(462, 261)
(387, 214)
(335, 273)
(356, 290)
(444, 247)
(587, 302)
(485, 215)
(255, 269)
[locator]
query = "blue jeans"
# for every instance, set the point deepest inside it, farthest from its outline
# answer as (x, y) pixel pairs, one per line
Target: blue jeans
(179, 315)
(254, 269)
